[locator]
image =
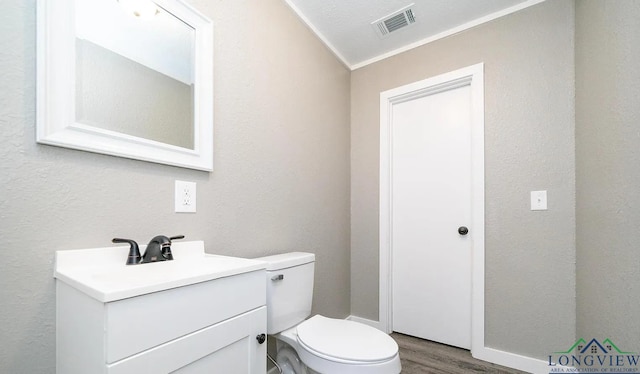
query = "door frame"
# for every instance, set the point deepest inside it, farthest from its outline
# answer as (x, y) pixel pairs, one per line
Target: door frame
(472, 76)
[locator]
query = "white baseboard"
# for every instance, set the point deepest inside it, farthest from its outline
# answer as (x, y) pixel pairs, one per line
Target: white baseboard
(512, 360)
(494, 356)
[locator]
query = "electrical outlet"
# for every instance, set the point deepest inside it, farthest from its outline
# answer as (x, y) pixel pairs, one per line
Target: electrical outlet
(185, 197)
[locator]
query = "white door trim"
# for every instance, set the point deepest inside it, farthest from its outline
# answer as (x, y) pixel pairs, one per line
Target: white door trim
(474, 77)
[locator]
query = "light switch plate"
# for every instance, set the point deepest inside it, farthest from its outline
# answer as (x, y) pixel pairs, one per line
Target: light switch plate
(185, 197)
(538, 200)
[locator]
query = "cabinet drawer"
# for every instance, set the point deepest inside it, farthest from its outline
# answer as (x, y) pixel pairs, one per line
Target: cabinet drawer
(139, 323)
(228, 347)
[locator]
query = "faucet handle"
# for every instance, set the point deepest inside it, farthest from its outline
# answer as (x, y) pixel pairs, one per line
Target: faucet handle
(166, 247)
(134, 251)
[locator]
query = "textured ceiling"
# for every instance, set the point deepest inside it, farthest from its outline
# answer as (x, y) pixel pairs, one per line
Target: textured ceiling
(345, 26)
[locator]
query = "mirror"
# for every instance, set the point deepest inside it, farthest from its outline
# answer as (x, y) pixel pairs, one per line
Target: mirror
(130, 78)
(134, 73)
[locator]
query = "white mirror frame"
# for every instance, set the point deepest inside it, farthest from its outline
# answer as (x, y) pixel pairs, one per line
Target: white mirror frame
(56, 124)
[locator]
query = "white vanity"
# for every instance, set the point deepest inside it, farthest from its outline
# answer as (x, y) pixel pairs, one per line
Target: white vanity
(196, 314)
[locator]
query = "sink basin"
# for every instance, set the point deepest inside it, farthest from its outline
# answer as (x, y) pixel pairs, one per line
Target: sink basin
(102, 274)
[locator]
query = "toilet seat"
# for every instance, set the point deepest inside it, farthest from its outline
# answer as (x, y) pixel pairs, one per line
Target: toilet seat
(345, 341)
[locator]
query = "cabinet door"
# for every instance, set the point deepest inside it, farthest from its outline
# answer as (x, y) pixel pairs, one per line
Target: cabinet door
(229, 347)
(159, 319)
(231, 359)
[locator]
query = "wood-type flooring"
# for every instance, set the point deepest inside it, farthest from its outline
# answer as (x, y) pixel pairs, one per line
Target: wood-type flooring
(425, 357)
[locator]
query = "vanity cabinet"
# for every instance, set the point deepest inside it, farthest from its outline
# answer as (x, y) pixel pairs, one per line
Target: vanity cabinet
(205, 327)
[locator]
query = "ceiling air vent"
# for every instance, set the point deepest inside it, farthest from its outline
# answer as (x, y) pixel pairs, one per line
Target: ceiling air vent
(394, 21)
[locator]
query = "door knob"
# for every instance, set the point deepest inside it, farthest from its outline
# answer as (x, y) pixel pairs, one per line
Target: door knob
(463, 230)
(261, 338)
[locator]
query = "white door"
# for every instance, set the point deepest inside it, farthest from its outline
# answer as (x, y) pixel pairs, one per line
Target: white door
(431, 202)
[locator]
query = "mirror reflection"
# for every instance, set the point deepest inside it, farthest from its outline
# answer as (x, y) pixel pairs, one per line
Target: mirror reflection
(135, 70)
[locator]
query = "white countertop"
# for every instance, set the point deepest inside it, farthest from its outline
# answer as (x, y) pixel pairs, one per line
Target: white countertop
(102, 274)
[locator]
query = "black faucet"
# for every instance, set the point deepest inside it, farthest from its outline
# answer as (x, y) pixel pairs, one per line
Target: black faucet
(158, 249)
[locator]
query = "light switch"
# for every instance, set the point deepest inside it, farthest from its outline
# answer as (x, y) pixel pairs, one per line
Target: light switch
(538, 200)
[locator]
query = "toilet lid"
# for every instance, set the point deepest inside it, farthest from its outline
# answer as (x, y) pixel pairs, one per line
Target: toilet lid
(346, 340)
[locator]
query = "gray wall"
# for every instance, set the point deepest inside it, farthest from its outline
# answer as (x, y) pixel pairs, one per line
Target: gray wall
(281, 179)
(529, 140)
(608, 171)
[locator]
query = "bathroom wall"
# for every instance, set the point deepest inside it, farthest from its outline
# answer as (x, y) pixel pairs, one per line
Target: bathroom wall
(607, 172)
(529, 140)
(281, 178)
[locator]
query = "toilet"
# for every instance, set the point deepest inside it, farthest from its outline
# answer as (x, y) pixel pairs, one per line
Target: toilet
(318, 345)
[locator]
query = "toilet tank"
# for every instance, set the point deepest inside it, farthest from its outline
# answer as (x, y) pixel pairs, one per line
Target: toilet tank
(289, 289)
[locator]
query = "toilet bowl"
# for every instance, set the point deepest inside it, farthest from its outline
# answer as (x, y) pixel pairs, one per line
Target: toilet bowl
(318, 344)
(328, 346)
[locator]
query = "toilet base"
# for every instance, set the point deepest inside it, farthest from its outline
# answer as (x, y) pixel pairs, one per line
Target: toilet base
(289, 361)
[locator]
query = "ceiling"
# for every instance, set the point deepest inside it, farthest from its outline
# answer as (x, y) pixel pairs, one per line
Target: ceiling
(345, 26)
